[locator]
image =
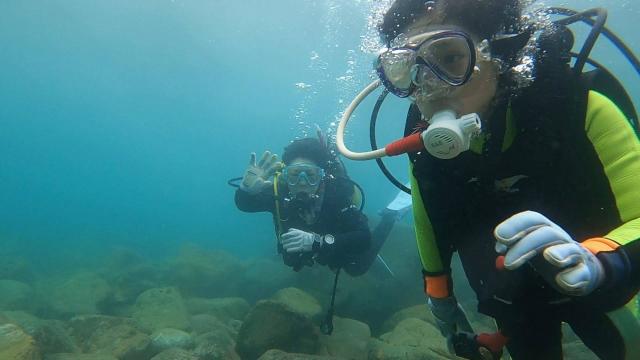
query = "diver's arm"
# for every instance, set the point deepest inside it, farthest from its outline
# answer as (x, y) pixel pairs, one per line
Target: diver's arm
(435, 268)
(260, 202)
(618, 149)
(438, 287)
(353, 235)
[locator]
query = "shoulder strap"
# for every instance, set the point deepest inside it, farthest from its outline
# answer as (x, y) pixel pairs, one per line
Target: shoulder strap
(278, 217)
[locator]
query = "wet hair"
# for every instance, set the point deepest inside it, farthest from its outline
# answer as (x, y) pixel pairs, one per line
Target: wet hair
(483, 18)
(314, 150)
(308, 148)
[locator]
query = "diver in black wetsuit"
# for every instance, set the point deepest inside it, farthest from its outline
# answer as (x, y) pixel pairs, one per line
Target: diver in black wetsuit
(316, 208)
(317, 211)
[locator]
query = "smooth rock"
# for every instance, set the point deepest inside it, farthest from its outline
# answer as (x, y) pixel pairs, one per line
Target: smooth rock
(298, 301)
(272, 325)
(16, 344)
(161, 308)
(168, 338)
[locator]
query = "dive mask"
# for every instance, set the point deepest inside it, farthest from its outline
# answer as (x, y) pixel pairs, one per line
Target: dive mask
(432, 61)
(293, 174)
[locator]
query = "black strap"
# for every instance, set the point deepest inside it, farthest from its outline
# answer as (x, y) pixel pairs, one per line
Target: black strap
(327, 323)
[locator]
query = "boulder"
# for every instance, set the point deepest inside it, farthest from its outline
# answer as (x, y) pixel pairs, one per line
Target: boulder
(272, 325)
(29, 323)
(73, 356)
(119, 337)
(224, 309)
(415, 332)
(379, 350)
(161, 308)
(176, 354)
(129, 283)
(417, 312)
(52, 336)
(16, 344)
(203, 323)
(205, 273)
(216, 345)
(412, 339)
(168, 338)
(81, 294)
(349, 340)
(16, 268)
(298, 301)
(15, 295)
(281, 355)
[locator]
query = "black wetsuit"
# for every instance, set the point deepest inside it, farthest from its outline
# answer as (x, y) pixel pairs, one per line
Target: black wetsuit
(564, 152)
(337, 216)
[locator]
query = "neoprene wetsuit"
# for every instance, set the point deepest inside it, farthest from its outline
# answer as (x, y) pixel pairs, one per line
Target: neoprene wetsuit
(569, 154)
(338, 217)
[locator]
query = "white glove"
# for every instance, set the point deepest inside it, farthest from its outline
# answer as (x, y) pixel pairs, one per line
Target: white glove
(256, 177)
(296, 241)
(450, 318)
(574, 269)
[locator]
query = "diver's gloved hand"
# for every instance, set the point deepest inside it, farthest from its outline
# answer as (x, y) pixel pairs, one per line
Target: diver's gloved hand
(479, 347)
(256, 177)
(565, 264)
(298, 241)
(450, 318)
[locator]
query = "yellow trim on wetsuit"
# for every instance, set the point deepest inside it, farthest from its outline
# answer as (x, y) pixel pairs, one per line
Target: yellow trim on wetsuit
(356, 198)
(425, 237)
(477, 143)
(618, 149)
(275, 193)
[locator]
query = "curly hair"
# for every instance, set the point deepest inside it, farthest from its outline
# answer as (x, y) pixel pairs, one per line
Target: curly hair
(308, 148)
(483, 18)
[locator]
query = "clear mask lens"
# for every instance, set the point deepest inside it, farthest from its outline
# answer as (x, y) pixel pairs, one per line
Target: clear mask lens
(446, 58)
(396, 65)
(451, 57)
(296, 175)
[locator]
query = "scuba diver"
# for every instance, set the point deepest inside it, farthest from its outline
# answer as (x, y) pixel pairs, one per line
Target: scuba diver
(312, 202)
(316, 207)
(524, 165)
(317, 210)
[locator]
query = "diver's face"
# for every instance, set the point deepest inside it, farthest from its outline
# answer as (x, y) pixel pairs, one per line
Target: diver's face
(475, 96)
(304, 177)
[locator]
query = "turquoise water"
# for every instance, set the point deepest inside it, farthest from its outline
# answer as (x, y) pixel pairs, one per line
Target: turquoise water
(122, 121)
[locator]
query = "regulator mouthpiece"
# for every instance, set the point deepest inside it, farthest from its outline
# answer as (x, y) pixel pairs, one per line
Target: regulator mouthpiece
(448, 136)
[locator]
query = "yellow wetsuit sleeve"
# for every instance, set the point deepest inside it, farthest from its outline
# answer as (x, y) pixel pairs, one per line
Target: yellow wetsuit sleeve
(618, 149)
(427, 246)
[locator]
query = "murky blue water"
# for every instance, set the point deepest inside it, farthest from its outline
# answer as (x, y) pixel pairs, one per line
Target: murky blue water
(121, 121)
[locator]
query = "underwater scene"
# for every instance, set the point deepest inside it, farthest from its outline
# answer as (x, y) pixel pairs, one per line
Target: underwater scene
(319, 179)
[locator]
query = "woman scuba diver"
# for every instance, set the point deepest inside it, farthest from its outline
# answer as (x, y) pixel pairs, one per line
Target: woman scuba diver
(521, 167)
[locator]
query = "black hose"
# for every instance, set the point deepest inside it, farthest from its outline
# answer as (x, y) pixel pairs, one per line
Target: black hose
(574, 16)
(374, 144)
(596, 30)
(326, 326)
(630, 112)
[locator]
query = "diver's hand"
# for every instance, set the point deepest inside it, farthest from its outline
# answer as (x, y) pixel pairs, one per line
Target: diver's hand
(479, 347)
(298, 241)
(565, 264)
(256, 177)
(450, 318)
